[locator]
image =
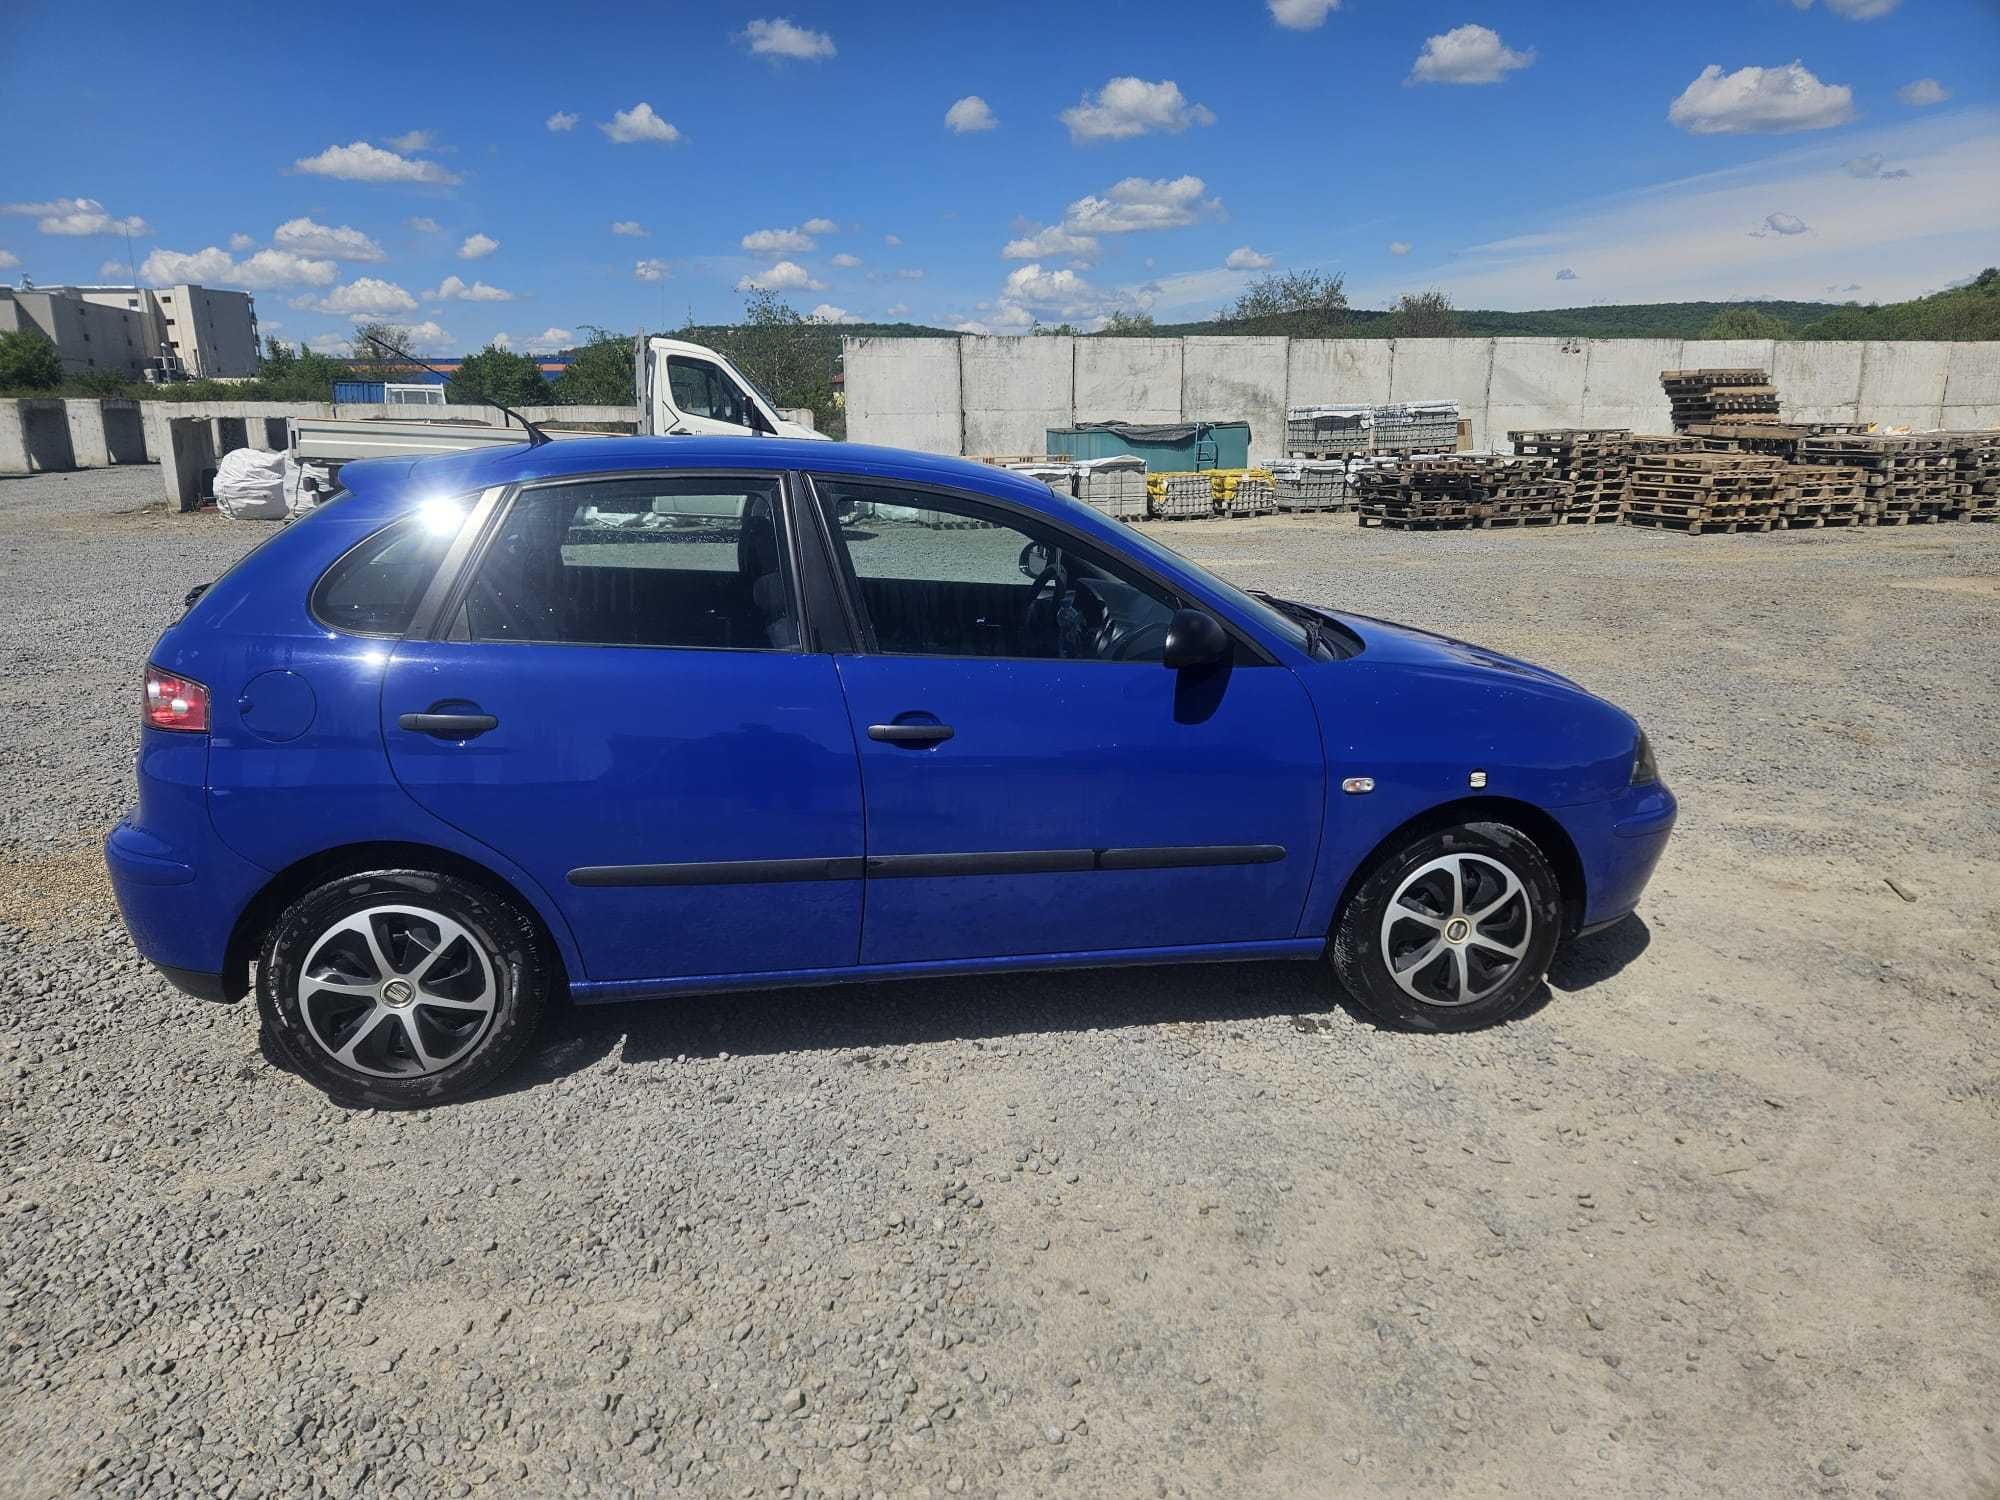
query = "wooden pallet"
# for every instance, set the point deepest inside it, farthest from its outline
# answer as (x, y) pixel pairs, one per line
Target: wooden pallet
(1695, 526)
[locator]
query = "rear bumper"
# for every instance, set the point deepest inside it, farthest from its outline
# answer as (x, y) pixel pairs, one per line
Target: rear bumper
(1620, 842)
(180, 906)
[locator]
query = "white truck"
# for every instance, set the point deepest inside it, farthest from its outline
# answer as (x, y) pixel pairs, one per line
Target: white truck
(682, 389)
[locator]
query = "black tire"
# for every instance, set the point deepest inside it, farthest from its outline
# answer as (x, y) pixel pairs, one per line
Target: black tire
(1496, 985)
(476, 1011)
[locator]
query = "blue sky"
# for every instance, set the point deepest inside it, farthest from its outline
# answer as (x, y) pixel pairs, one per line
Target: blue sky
(475, 172)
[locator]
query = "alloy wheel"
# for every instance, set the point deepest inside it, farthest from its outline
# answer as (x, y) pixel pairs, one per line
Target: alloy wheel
(397, 991)
(1457, 929)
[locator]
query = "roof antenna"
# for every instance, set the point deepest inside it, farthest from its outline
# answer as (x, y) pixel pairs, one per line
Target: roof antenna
(536, 437)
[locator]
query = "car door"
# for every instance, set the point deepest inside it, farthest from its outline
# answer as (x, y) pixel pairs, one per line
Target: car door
(616, 698)
(707, 400)
(1036, 781)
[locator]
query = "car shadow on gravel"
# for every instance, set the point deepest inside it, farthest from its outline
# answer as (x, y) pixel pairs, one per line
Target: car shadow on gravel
(912, 1012)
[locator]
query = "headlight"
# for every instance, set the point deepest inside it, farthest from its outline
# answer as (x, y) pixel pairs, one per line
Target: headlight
(1644, 768)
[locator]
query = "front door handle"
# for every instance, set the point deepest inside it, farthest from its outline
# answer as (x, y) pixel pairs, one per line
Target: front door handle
(449, 726)
(910, 734)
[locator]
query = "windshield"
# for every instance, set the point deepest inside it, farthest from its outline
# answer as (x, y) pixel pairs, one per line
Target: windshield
(1280, 625)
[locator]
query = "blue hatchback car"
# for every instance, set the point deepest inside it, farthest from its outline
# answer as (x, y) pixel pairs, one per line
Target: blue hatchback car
(630, 717)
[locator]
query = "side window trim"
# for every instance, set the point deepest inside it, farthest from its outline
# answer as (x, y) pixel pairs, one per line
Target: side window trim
(450, 621)
(1009, 513)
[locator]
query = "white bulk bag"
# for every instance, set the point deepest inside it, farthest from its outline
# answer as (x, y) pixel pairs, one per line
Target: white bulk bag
(250, 486)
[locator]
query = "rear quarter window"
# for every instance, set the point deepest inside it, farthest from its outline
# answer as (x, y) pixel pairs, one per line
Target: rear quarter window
(375, 587)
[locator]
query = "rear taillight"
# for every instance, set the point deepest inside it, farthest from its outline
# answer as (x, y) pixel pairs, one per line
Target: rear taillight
(175, 702)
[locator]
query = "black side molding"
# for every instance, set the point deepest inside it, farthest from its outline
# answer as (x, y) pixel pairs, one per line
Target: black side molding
(927, 866)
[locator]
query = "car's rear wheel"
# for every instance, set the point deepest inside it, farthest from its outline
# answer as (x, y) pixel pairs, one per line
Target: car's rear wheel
(402, 988)
(1452, 930)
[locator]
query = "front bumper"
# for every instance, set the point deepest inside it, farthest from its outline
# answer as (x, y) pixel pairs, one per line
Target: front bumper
(1620, 841)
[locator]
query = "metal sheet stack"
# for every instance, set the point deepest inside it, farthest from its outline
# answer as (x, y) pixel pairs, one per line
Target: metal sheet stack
(1311, 484)
(1908, 476)
(1455, 491)
(1698, 492)
(1596, 462)
(1703, 396)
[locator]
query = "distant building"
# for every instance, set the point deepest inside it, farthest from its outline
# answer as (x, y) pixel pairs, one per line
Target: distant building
(141, 333)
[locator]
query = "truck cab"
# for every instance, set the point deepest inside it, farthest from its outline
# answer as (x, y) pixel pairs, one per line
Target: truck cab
(688, 389)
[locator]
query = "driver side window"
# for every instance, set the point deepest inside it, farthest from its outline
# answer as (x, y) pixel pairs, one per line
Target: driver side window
(940, 576)
(701, 390)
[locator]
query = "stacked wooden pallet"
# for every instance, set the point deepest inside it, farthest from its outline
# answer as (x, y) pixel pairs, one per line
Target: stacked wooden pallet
(1976, 463)
(1697, 492)
(1596, 463)
(1908, 477)
(1708, 396)
(1459, 491)
(1821, 495)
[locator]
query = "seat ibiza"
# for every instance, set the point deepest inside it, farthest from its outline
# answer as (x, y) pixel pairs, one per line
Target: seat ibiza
(626, 718)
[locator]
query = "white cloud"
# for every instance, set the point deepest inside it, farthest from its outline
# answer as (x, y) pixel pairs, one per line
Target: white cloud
(1873, 166)
(892, 240)
(477, 247)
(451, 289)
(552, 338)
(780, 39)
(215, 267)
(639, 123)
(972, 325)
(1565, 274)
(361, 162)
(502, 341)
(1127, 107)
(632, 229)
(826, 312)
(654, 269)
(414, 140)
(425, 225)
(1399, 247)
(899, 310)
(1467, 54)
(241, 242)
(420, 338)
(845, 261)
(560, 121)
(1854, 10)
(1753, 100)
(1302, 15)
(1051, 241)
(910, 273)
(1243, 258)
(342, 242)
(364, 298)
(9, 259)
(776, 241)
(786, 275)
(1923, 91)
(328, 343)
(1032, 285)
(1137, 203)
(1785, 224)
(970, 115)
(77, 216)
(820, 226)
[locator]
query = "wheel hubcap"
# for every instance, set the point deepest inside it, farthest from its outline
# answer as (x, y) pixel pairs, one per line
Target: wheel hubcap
(397, 991)
(1457, 929)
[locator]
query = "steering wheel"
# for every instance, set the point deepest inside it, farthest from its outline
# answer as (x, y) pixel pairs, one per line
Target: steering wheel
(1044, 564)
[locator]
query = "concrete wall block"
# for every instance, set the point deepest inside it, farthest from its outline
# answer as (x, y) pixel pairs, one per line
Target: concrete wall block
(189, 472)
(13, 439)
(88, 446)
(904, 393)
(1535, 383)
(1014, 390)
(1972, 379)
(45, 436)
(124, 432)
(1903, 384)
(1127, 380)
(1446, 370)
(231, 433)
(1225, 379)
(1621, 383)
(1818, 382)
(1339, 372)
(1728, 354)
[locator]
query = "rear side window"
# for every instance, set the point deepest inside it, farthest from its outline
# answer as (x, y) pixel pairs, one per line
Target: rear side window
(375, 588)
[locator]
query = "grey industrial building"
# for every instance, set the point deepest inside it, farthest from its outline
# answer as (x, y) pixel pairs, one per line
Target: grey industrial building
(141, 333)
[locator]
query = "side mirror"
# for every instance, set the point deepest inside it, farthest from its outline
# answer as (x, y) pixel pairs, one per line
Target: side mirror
(1194, 639)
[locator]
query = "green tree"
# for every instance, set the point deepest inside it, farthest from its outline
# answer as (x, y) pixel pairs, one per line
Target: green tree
(789, 357)
(1745, 323)
(496, 374)
(286, 373)
(1423, 315)
(29, 362)
(96, 383)
(1119, 323)
(600, 371)
(1309, 301)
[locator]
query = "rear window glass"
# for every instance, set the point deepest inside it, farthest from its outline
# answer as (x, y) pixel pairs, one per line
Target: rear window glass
(375, 588)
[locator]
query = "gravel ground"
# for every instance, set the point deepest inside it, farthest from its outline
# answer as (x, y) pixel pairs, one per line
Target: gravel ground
(1715, 1220)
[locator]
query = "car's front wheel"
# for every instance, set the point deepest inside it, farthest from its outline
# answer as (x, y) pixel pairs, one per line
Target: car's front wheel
(402, 988)
(1451, 931)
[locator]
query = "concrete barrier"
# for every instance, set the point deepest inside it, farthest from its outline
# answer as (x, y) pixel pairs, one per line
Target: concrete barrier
(35, 436)
(124, 431)
(190, 471)
(1014, 391)
(90, 447)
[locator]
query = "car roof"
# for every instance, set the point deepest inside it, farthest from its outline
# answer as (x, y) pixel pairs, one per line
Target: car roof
(581, 457)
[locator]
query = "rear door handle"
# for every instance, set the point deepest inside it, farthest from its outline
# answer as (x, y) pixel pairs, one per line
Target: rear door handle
(910, 734)
(449, 726)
